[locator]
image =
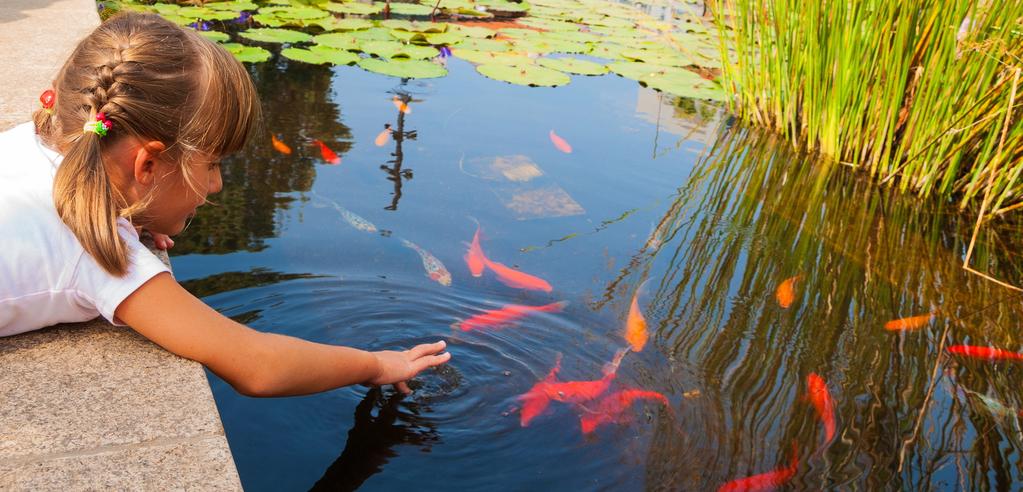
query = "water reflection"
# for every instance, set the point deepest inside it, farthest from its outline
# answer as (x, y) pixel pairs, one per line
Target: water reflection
(395, 173)
(372, 440)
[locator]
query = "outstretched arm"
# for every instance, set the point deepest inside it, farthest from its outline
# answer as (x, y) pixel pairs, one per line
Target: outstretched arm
(257, 363)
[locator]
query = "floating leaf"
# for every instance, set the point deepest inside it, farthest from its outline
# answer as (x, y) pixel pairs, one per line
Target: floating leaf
(394, 49)
(469, 12)
(483, 45)
(348, 24)
(495, 57)
(574, 36)
(548, 24)
(410, 9)
(191, 12)
(271, 35)
(249, 54)
(472, 31)
(373, 34)
(685, 84)
(216, 36)
(573, 65)
(414, 69)
(319, 55)
(339, 40)
(166, 8)
(353, 8)
(530, 75)
(234, 6)
(519, 33)
(414, 26)
(269, 20)
(446, 38)
(504, 6)
(294, 13)
(608, 50)
(410, 37)
(538, 45)
(638, 70)
(661, 57)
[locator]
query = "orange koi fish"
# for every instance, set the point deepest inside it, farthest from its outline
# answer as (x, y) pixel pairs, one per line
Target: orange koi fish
(635, 326)
(499, 318)
(516, 279)
(990, 353)
(560, 143)
(383, 136)
(612, 408)
(401, 105)
(474, 257)
(786, 292)
(536, 400)
(765, 481)
(327, 154)
(818, 395)
(280, 146)
(910, 323)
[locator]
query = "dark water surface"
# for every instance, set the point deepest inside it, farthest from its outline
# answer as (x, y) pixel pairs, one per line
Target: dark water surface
(657, 190)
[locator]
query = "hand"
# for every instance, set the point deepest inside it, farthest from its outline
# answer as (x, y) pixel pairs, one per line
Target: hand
(398, 367)
(162, 241)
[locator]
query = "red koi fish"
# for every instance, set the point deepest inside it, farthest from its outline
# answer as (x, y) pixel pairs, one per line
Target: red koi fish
(474, 257)
(560, 143)
(990, 353)
(536, 400)
(786, 292)
(383, 136)
(820, 397)
(910, 323)
(401, 105)
(516, 279)
(635, 326)
(765, 481)
(327, 154)
(499, 318)
(612, 408)
(280, 146)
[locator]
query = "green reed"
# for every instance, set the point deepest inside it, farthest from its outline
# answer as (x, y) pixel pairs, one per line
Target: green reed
(923, 94)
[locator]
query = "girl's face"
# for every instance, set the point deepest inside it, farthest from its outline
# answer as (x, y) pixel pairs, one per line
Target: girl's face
(174, 202)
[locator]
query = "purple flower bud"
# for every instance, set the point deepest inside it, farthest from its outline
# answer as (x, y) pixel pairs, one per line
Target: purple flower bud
(445, 51)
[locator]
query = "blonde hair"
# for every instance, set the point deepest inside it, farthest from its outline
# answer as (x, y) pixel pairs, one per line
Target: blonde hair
(154, 81)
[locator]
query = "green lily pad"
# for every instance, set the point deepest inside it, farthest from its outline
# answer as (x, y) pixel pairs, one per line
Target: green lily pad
(610, 51)
(410, 9)
(685, 84)
(660, 57)
(548, 24)
(472, 31)
(414, 26)
(353, 8)
(492, 57)
(504, 6)
(233, 6)
(530, 75)
(406, 69)
(409, 36)
(574, 36)
(469, 12)
(272, 35)
(549, 46)
(319, 55)
(607, 21)
(269, 20)
(445, 38)
(339, 40)
(295, 13)
(216, 36)
(519, 33)
(193, 12)
(166, 8)
(638, 70)
(573, 65)
(483, 45)
(373, 34)
(248, 54)
(348, 24)
(394, 49)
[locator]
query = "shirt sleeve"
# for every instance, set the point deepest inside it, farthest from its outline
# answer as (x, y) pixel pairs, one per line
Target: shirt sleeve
(105, 291)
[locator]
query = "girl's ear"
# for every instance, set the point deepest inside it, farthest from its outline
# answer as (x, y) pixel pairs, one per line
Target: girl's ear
(145, 161)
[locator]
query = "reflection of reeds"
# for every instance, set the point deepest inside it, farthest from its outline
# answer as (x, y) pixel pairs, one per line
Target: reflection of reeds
(916, 91)
(755, 214)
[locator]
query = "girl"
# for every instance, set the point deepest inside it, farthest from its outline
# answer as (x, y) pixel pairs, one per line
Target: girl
(131, 137)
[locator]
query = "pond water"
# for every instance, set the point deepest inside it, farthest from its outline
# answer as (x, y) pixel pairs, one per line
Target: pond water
(660, 198)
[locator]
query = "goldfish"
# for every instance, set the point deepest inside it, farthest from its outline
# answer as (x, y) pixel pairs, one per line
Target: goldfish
(612, 407)
(474, 257)
(984, 352)
(327, 154)
(401, 105)
(818, 395)
(539, 397)
(910, 323)
(514, 278)
(280, 146)
(635, 326)
(765, 481)
(786, 292)
(355, 221)
(496, 318)
(560, 143)
(434, 268)
(383, 136)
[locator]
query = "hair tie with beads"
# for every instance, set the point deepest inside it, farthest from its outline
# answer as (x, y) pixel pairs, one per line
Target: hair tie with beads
(47, 98)
(100, 127)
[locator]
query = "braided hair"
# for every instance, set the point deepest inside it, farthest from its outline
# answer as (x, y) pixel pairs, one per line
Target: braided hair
(153, 81)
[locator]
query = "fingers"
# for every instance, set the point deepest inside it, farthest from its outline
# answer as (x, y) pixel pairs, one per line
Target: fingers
(427, 349)
(402, 387)
(430, 361)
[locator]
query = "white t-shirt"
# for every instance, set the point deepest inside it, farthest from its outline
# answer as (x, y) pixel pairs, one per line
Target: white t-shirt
(46, 277)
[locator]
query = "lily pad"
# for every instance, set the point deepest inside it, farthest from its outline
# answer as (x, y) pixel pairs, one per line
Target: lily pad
(410, 37)
(538, 45)
(248, 54)
(519, 33)
(492, 57)
(234, 6)
(319, 55)
(410, 9)
(483, 45)
(638, 70)
(272, 35)
(353, 8)
(406, 69)
(348, 24)
(269, 20)
(472, 31)
(394, 49)
(295, 13)
(574, 36)
(166, 8)
(661, 57)
(192, 12)
(339, 40)
(608, 50)
(548, 24)
(529, 75)
(373, 34)
(445, 38)
(573, 65)
(216, 36)
(414, 26)
(504, 6)
(685, 84)
(469, 12)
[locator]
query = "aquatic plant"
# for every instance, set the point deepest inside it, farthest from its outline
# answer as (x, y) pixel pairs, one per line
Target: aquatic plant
(922, 95)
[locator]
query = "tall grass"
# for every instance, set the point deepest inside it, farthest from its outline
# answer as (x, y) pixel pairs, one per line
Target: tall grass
(920, 93)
